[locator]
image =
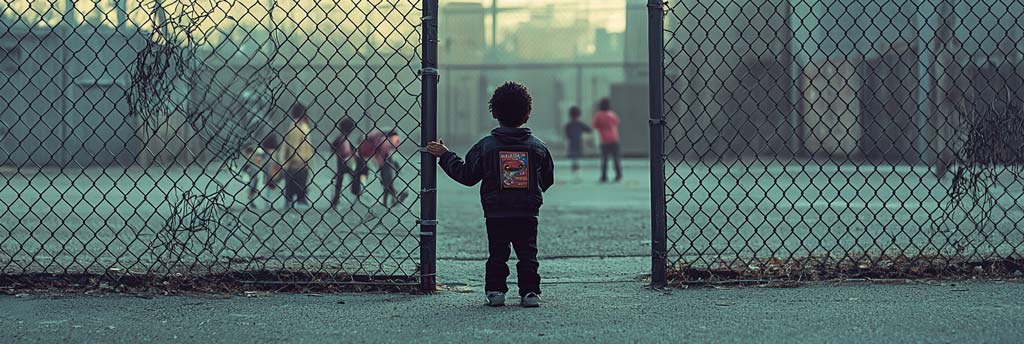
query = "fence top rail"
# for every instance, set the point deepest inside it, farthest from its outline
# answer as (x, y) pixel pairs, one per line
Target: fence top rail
(541, 65)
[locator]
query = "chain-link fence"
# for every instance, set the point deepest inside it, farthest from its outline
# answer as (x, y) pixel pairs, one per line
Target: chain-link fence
(572, 51)
(229, 141)
(827, 139)
(464, 96)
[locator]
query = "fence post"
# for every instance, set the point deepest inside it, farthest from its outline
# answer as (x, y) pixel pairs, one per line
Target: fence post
(655, 46)
(428, 164)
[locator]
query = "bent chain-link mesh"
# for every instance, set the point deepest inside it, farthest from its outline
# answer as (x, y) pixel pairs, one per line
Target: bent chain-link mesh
(821, 139)
(129, 126)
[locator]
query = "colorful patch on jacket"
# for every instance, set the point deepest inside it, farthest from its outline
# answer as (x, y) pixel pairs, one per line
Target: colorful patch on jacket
(515, 171)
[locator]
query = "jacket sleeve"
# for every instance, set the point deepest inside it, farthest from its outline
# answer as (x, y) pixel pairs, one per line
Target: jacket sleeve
(547, 171)
(468, 172)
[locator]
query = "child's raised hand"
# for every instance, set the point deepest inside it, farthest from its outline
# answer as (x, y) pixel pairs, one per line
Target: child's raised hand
(437, 148)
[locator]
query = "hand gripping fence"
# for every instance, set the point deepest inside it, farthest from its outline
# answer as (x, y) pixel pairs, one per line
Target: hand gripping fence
(800, 139)
(200, 144)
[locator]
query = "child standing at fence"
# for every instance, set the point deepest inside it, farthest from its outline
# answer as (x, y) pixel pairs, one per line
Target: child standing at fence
(574, 131)
(344, 152)
(515, 169)
(380, 146)
(294, 155)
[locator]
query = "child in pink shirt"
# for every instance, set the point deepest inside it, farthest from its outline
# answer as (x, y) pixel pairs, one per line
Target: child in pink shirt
(606, 122)
(379, 146)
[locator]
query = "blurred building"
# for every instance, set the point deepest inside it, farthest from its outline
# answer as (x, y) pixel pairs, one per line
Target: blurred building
(62, 101)
(544, 38)
(608, 46)
(844, 78)
(635, 41)
(630, 98)
(68, 72)
(463, 42)
(553, 49)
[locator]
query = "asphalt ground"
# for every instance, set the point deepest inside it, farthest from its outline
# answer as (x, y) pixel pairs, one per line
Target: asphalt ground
(613, 312)
(594, 248)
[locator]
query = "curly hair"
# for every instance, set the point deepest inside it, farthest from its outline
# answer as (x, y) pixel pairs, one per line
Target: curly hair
(511, 104)
(269, 142)
(346, 125)
(574, 112)
(297, 111)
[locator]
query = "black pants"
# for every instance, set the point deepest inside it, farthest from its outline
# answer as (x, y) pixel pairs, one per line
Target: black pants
(521, 232)
(339, 179)
(388, 174)
(610, 150)
(296, 183)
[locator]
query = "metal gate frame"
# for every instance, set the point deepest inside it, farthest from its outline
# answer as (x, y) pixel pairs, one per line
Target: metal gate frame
(659, 245)
(428, 164)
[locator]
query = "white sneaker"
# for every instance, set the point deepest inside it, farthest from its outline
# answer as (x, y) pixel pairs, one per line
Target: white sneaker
(530, 300)
(495, 298)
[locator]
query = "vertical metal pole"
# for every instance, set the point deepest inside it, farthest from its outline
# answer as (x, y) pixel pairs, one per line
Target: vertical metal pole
(428, 164)
(494, 29)
(121, 13)
(579, 86)
(925, 83)
(803, 22)
(66, 27)
(655, 46)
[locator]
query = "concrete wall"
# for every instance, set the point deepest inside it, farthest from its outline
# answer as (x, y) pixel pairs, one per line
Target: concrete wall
(630, 100)
(32, 99)
(830, 108)
(729, 78)
(64, 97)
(64, 103)
(740, 74)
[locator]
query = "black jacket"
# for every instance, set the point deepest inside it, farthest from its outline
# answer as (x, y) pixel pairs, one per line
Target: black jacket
(515, 167)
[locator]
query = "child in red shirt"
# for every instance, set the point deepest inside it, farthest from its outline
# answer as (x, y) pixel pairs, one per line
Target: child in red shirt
(606, 122)
(379, 147)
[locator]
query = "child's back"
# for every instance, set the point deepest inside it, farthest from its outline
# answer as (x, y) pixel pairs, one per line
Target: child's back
(515, 169)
